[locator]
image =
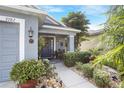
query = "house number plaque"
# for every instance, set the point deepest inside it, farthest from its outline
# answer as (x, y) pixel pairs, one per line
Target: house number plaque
(8, 19)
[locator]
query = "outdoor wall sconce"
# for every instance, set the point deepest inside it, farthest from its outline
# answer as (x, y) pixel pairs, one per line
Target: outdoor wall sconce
(30, 31)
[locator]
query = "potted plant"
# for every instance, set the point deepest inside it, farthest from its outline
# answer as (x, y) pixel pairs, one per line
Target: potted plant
(27, 72)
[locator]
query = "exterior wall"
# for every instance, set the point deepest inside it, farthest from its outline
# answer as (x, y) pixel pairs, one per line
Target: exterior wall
(31, 50)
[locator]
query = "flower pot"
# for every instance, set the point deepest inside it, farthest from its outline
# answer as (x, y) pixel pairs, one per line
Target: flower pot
(34, 82)
(28, 84)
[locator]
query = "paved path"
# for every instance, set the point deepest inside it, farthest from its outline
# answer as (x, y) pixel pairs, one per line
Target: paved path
(70, 78)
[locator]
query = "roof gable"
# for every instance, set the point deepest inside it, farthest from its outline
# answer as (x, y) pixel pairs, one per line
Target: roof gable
(51, 21)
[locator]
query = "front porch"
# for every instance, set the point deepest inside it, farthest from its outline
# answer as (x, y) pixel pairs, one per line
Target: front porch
(56, 45)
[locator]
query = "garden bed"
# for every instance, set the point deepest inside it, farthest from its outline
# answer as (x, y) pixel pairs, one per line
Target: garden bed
(81, 74)
(113, 83)
(90, 66)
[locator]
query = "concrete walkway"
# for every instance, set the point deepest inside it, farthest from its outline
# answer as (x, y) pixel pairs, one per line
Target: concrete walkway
(70, 78)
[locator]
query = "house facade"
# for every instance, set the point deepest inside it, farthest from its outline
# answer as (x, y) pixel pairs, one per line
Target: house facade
(20, 27)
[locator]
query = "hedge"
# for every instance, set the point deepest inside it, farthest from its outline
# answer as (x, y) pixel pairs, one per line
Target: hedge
(71, 58)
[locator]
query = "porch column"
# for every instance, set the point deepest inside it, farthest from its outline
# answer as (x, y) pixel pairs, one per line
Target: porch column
(71, 43)
(54, 43)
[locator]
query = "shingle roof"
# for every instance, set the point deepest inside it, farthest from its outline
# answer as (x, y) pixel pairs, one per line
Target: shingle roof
(31, 6)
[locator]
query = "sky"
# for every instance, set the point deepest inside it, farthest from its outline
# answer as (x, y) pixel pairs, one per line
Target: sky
(95, 13)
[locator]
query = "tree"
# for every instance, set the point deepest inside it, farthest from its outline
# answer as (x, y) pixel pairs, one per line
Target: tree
(114, 27)
(77, 20)
(114, 38)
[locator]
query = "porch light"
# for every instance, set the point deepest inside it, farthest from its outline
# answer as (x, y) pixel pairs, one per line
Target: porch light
(30, 32)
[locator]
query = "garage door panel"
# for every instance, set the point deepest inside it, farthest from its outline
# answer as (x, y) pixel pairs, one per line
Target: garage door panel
(9, 28)
(12, 37)
(12, 61)
(7, 62)
(9, 32)
(9, 57)
(7, 66)
(5, 74)
(9, 44)
(9, 48)
(9, 52)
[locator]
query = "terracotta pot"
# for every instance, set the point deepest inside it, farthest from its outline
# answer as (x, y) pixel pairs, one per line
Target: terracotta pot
(28, 84)
(34, 82)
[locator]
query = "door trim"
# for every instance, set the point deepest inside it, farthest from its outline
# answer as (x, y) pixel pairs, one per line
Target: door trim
(21, 23)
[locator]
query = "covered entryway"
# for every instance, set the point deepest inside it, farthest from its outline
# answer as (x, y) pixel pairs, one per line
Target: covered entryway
(64, 36)
(54, 45)
(9, 48)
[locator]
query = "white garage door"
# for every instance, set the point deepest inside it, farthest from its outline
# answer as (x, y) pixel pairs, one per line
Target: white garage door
(9, 48)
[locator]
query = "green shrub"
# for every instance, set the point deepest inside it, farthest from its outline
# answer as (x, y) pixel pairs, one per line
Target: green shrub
(121, 84)
(110, 64)
(101, 78)
(120, 69)
(71, 58)
(27, 70)
(87, 70)
(83, 57)
(78, 65)
(115, 55)
(49, 69)
(94, 51)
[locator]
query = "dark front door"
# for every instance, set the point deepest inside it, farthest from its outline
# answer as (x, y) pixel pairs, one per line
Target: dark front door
(48, 50)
